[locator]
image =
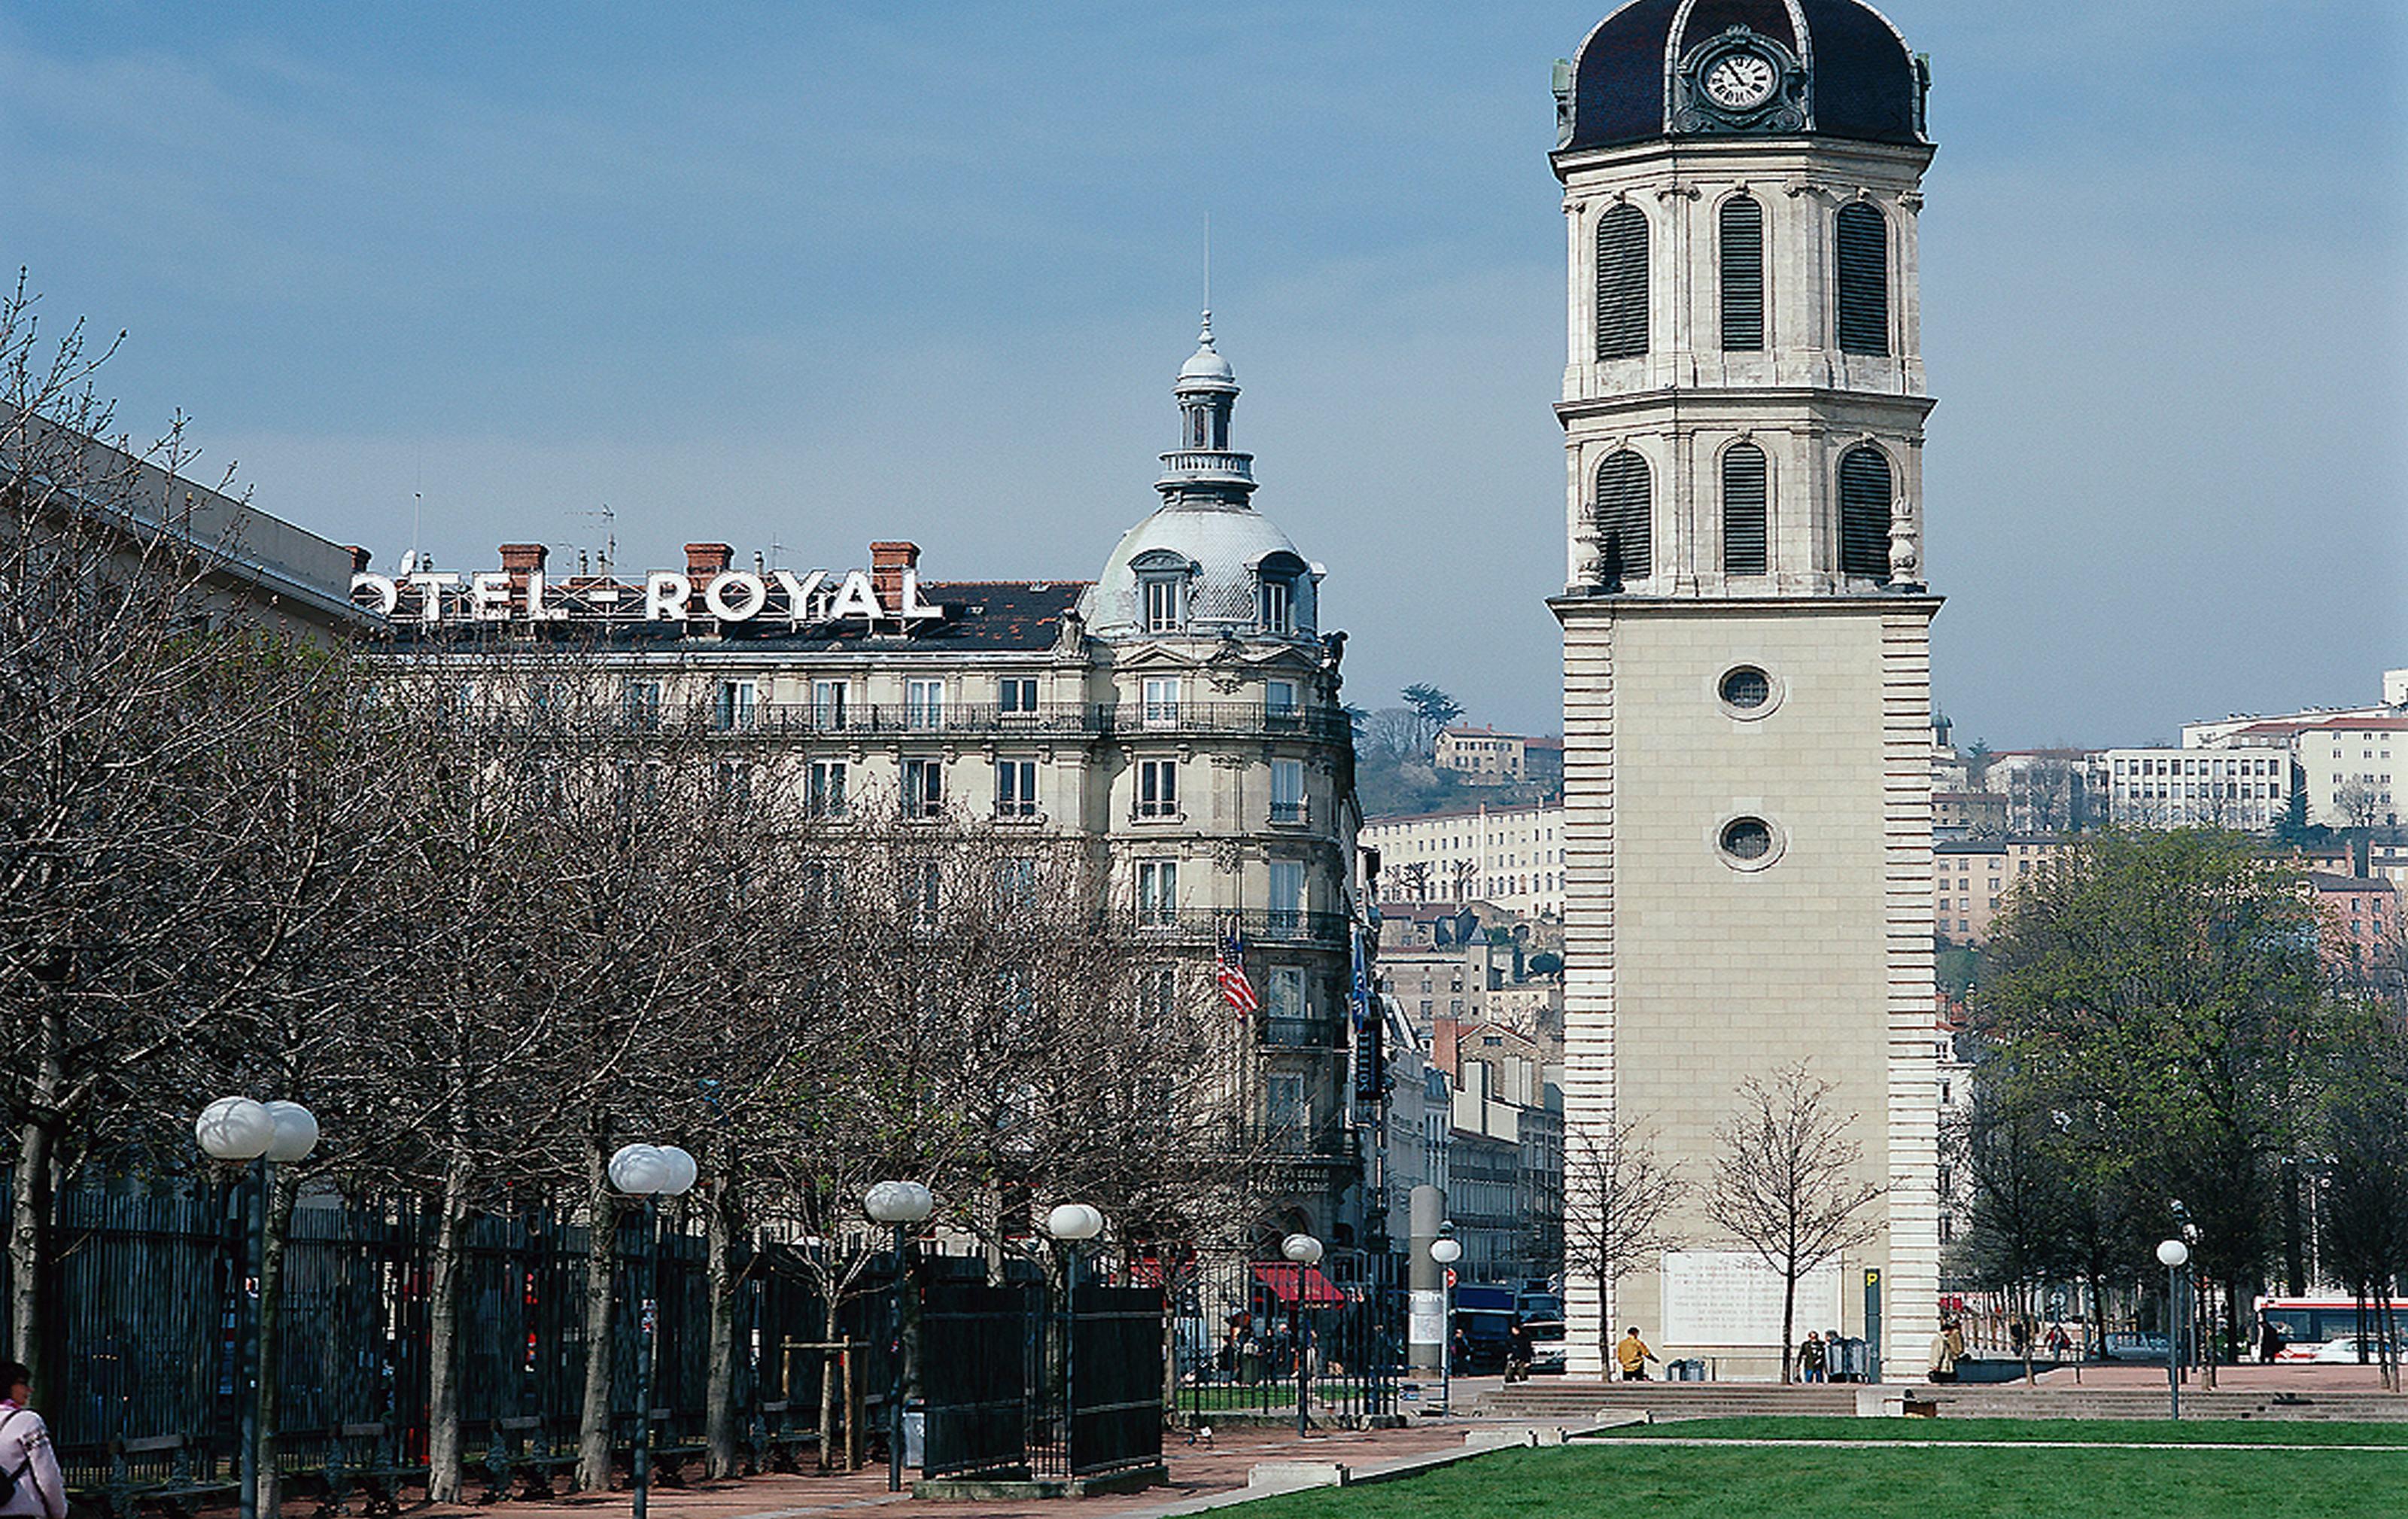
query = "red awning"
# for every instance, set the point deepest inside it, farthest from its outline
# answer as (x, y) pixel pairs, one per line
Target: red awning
(1281, 1278)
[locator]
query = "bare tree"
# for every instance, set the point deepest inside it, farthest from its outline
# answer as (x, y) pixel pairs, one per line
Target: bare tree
(1787, 1185)
(1618, 1198)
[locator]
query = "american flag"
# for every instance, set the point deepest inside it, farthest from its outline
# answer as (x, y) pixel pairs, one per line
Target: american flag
(1231, 976)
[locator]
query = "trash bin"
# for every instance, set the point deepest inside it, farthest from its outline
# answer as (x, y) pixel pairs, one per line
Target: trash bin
(915, 1438)
(1692, 1369)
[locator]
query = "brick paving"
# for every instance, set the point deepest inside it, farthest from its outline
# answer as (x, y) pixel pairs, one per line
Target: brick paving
(1195, 1472)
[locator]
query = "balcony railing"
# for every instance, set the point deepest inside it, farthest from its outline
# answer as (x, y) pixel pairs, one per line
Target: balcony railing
(1208, 925)
(1208, 461)
(1291, 813)
(1304, 1033)
(1093, 719)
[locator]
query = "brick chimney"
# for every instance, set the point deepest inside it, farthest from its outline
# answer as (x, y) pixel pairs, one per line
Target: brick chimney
(704, 560)
(887, 562)
(519, 560)
(360, 558)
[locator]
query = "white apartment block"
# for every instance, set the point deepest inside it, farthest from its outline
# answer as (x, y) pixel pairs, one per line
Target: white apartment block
(2158, 788)
(2352, 767)
(1513, 857)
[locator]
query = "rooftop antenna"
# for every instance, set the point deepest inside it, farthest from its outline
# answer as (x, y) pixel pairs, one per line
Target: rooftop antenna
(417, 499)
(777, 555)
(609, 550)
(1208, 260)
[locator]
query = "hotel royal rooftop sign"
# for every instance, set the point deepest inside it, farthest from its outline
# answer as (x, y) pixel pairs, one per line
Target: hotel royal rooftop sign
(810, 599)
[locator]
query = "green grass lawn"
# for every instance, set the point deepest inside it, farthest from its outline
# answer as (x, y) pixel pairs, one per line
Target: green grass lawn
(1629, 1477)
(2088, 1431)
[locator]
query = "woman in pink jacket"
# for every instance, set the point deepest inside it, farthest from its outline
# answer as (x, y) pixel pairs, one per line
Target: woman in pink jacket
(25, 1454)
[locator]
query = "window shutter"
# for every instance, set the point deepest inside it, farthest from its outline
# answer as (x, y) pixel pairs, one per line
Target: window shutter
(1743, 273)
(1864, 514)
(1864, 279)
(1743, 511)
(1622, 282)
(1623, 511)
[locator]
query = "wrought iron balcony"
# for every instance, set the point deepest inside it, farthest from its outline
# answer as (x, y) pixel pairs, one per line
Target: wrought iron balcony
(1208, 925)
(986, 720)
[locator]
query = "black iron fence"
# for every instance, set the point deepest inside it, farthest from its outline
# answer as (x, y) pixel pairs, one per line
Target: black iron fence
(1251, 1338)
(151, 1288)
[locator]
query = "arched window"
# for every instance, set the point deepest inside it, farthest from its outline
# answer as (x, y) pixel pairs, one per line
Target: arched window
(1745, 551)
(1623, 511)
(1863, 279)
(1622, 282)
(1864, 513)
(1742, 274)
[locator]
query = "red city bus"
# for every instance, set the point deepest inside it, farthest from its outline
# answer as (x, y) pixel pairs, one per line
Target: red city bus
(2309, 1324)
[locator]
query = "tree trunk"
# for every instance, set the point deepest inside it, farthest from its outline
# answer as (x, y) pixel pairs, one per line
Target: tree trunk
(601, 1258)
(831, 1330)
(281, 1188)
(1788, 1318)
(2295, 1256)
(719, 1395)
(443, 1337)
(29, 1248)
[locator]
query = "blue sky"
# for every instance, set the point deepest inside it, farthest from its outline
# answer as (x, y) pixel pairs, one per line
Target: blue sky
(804, 276)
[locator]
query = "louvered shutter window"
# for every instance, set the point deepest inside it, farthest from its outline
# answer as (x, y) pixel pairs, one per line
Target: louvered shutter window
(1864, 514)
(1864, 279)
(1744, 513)
(1622, 282)
(1622, 518)
(1742, 270)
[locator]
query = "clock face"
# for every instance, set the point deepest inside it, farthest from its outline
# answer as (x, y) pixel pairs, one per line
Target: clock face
(1741, 80)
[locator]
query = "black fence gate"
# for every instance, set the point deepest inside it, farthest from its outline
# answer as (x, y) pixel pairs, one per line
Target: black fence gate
(1015, 1388)
(1113, 1377)
(974, 1343)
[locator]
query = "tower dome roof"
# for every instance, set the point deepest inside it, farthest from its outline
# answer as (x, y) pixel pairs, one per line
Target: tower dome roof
(1834, 68)
(1221, 553)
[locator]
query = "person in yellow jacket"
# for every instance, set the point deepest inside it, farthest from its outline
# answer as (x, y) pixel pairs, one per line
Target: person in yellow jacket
(1632, 1355)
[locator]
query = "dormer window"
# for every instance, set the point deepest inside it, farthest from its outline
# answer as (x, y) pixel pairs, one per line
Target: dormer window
(1278, 576)
(1161, 590)
(1279, 604)
(1166, 610)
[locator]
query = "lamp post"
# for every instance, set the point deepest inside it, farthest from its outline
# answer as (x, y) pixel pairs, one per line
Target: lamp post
(1072, 1225)
(260, 1136)
(2173, 1255)
(900, 1204)
(651, 1172)
(1446, 1250)
(1305, 1251)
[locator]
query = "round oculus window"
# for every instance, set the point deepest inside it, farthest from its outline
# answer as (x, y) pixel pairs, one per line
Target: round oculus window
(1747, 840)
(1746, 689)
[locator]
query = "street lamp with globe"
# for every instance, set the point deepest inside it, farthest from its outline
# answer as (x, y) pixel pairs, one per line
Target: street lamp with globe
(1446, 1250)
(2173, 1255)
(1305, 1251)
(651, 1172)
(1072, 1224)
(260, 1136)
(900, 1204)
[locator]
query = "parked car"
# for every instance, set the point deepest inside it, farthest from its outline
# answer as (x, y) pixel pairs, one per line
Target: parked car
(2122, 1346)
(1546, 1345)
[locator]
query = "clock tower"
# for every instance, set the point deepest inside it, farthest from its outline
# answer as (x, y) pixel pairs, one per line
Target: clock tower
(1747, 643)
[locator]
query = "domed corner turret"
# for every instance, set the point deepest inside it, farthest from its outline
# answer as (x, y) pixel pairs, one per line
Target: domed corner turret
(1673, 69)
(1205, 564)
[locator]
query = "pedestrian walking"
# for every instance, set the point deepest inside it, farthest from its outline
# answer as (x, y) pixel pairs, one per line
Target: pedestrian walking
(29, 1468)
(1811, 1358)
(1632, 1355)
(2270, 1340)
(1519, 1352)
